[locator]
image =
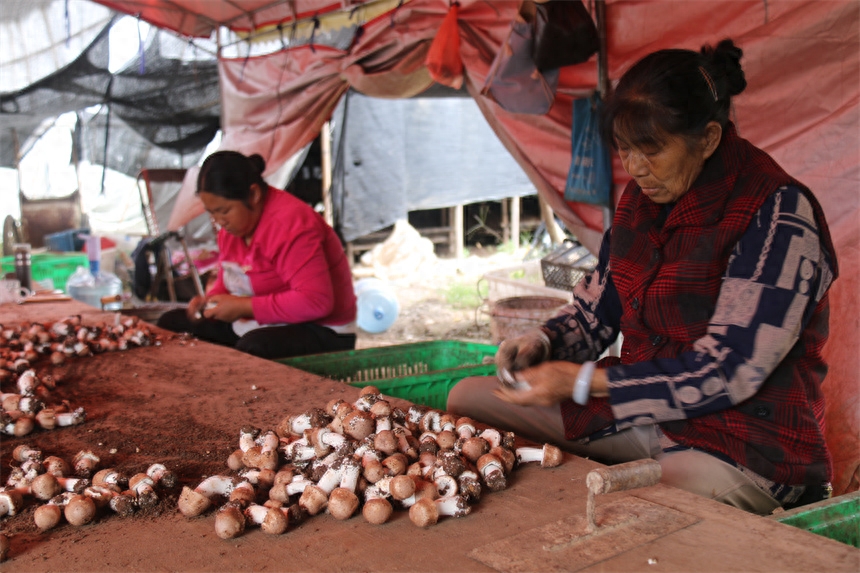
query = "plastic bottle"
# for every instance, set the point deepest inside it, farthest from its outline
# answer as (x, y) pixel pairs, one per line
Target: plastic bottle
(377, 305)
(90, 285)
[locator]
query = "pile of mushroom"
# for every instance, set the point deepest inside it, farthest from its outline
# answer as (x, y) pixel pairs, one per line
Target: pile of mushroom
(364, 456)
(25, 345)
(76, 491)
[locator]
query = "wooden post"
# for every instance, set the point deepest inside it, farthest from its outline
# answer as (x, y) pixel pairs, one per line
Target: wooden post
(325, 151)
(506, 227)
(459, 242)
(515, 222)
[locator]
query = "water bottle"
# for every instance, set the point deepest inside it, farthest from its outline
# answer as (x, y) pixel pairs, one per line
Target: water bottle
(89, 286)
(377, 305)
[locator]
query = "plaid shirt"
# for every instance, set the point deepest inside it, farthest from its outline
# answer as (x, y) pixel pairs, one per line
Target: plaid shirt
(722, 303)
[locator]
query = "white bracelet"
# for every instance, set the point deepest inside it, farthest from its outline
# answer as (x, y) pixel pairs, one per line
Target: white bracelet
(582, 386)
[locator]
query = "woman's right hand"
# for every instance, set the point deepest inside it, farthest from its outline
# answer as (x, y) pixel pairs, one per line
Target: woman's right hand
(195, 308)
(520, 353)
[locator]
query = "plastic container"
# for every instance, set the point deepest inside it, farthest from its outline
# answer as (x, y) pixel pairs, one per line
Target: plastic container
(837, 518)
(422, 372)
(49, 270)
(64, 241)
(89, 286)
(377, 305)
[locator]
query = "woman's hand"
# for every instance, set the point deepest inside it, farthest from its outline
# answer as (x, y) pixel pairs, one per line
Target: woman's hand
(195, 308)
(228, 307)
(549, 383)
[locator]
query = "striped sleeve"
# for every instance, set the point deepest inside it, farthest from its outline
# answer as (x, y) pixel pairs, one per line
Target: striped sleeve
(776, 275)
(590, 323)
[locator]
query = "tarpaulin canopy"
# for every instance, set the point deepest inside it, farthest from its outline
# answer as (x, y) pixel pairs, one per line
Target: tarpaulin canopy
(802, 104)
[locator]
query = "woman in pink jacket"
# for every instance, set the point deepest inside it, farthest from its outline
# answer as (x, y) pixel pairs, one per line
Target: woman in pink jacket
(284, 287)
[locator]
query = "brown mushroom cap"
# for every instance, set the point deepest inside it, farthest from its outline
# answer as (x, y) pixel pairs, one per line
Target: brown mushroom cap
(373, 471)
(424, 513)
(192, 503)
(358, 425)
(401, 487)
(80, 510)
(342, 503)
(275, 522)
(377, 511)
(385, 441)
(370, 389)
(475, 447)
(552, 456)
(313, 499)
(234, 460)
(446, 439)
(395, 464)
(229, 521)
(47, 516)
(45, 486)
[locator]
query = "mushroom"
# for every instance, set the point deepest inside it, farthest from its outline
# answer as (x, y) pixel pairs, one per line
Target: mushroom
(385, 441)
(272, 520)
(80, 509)
(492, 472)
(473, 448)
(57, 466)
(493, 437)
(111, 479)
(507, 457)
(161, 475)
(395, 464)
(84, 461)
(358, 425)
(469, 485)
(549, 456)
(243, 493)
(45, 486)
(426, 512)
(74, 418)
(47, 516)
(342, 503)
(193, 502)
(25, 452)
(11, 502)
(313, 499)
(376, 510)
(229, 521)
(143, 488)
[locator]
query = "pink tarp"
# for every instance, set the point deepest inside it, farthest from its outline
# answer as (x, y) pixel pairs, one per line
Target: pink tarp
(802, 105)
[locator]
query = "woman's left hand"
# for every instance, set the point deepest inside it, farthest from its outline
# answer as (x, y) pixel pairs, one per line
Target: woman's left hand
(549, 383)
(228, 307)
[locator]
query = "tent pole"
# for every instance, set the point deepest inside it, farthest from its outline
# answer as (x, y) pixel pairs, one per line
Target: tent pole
(603, 80)
(325, 150)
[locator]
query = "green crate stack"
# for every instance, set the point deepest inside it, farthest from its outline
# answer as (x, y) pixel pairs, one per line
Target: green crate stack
(837, 518)
(55, 266)
(421, 372)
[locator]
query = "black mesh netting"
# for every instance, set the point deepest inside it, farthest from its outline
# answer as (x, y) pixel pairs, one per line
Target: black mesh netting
(160, 112)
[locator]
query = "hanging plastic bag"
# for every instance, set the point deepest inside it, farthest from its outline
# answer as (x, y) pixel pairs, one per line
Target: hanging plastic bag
(443, 59)
(569, 36)
(514, 81)
(590, 177)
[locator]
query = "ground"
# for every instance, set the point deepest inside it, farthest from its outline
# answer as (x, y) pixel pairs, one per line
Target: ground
(444, 300)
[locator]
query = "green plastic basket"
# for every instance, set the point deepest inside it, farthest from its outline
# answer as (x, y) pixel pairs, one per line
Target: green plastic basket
(422, 372)
(55, 266)
(837, 518)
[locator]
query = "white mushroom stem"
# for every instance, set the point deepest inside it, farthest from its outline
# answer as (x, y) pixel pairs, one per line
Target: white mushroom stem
(297, 486)
(161, 475)
(453, 506)
(268, 441)
(383, 423)
(351, 472)
(300, 423)
(547, 456)
(493, 437)
(73, 484)
(71, 418)
(247, 437)
(331, 478)
(24, 452)
(10, 502)
(27, 382)
(216, 485)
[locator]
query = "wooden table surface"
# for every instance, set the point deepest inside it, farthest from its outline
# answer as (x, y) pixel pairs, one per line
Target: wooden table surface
(206, 393)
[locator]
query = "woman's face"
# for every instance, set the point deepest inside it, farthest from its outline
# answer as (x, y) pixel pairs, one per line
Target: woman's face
(232, 215)
(665, 172)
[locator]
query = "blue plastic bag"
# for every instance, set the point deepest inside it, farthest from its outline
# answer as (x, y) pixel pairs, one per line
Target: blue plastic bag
(590, 177)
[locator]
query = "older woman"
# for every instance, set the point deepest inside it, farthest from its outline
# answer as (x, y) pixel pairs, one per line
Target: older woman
(284, 287)
(715, 271)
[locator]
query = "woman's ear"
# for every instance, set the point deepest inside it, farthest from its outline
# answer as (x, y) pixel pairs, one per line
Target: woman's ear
(255, 195)
(713, 136)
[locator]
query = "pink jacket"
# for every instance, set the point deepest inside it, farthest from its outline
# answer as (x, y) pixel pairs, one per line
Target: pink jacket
(296, 265)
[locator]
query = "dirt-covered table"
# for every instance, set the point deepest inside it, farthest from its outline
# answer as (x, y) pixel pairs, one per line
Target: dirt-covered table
(182, 403)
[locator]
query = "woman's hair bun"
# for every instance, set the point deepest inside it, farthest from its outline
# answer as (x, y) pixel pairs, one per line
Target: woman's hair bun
(257, 162)
(725, 61)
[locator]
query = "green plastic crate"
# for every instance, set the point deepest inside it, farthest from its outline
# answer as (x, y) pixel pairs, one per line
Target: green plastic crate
(422, 372)
(837, 518)
(55, 266)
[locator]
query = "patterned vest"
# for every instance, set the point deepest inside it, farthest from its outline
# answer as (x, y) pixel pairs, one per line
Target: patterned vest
(668, 271)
